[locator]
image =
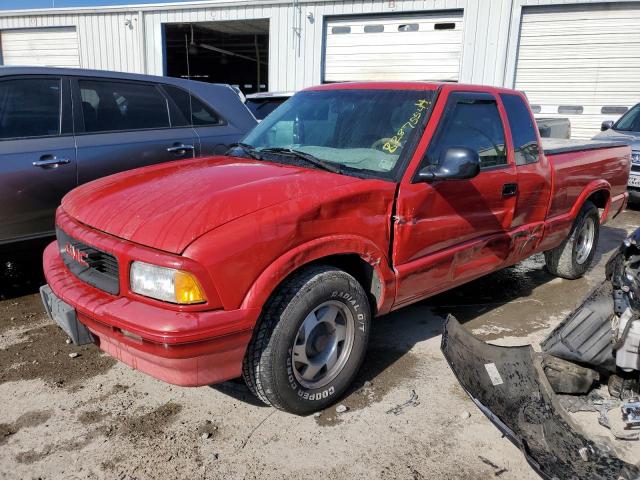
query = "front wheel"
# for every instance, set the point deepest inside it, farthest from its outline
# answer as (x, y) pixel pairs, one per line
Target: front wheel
(310, 342)
(573, 257)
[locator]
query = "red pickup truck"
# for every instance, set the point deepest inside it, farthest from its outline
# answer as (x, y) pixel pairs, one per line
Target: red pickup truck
(348, 202)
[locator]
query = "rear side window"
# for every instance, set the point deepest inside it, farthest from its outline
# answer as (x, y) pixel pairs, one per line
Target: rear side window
(29, 108)
(261, 107)
(525, 142)
(472, 122)
(192, 107)
(110, 106)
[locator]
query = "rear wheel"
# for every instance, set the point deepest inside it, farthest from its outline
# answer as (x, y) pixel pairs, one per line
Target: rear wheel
(573, 257)
(310, 342)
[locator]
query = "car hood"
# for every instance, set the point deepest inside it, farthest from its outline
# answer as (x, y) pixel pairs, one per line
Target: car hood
(168, 206)
(632, 138)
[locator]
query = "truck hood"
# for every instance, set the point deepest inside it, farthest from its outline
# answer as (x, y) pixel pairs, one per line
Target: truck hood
(168, 206)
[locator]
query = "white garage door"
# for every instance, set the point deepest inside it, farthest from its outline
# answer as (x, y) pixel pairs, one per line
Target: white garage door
(51, 47)
(582, 63)
(398, 47)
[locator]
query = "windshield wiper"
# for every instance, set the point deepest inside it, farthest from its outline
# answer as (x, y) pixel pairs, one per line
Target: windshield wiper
(307, 157)
(246, 148)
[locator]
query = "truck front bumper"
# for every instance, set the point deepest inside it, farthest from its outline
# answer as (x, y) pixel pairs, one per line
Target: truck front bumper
(151, 339)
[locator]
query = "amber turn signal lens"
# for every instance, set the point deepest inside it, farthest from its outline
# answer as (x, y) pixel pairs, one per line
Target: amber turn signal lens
(187, 288)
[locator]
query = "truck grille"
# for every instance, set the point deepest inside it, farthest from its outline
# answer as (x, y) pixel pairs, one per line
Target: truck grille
(93, 266)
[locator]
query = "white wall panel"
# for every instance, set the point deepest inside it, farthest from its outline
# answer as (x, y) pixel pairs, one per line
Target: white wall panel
(489, 50)
(394, 47)
(47, 46)
(106, 41)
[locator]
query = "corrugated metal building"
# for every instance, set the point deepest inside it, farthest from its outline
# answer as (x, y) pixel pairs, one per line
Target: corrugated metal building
(576, 59)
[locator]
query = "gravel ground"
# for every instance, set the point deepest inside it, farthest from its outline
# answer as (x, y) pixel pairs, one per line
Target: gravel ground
(405, 418)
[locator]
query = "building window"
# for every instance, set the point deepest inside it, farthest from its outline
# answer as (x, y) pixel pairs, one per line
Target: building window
(444, 26)
(408, 27)
(340, 30)
(373, 28)
(571, 109)
(613, 110)
(536, 108)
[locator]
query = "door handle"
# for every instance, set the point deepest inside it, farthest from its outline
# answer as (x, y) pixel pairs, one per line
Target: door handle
(50, 161)
(180, 148)
(509, 190)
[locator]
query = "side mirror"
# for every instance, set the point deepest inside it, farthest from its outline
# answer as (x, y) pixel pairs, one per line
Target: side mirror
(457, 163)
(606, 125)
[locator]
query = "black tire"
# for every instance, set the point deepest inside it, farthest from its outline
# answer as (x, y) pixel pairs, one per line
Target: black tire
(563, 261)
(268, 368)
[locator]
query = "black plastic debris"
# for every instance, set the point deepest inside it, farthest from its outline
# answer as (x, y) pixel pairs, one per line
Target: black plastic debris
(509, 386)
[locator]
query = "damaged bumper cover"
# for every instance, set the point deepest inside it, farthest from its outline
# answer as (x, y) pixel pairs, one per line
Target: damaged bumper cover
(509, 386)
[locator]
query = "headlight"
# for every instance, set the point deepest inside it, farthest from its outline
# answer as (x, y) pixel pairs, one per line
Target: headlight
(635, 157)
(166, 284)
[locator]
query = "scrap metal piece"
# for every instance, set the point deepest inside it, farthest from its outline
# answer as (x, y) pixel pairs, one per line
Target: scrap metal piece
(568, 377)
(631, 413)
(585, 335)
(412, 402)
(524, 408)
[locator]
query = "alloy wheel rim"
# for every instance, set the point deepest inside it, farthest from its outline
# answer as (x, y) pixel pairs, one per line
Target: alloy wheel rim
(585, 241)
(323, 344)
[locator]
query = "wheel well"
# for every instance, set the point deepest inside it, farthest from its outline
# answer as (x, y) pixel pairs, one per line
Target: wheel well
(599, 198)
(355, 266)
(362, 271)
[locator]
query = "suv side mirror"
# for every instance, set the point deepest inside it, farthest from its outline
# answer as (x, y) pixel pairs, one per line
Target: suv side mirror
(606, 125)
(457, 163)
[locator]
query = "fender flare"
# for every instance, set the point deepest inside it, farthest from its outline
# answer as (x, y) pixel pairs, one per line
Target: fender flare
(314, 250)
(591, 188)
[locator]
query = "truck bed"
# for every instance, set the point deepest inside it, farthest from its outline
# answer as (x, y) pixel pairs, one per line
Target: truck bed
(555, 146)
(576, 164)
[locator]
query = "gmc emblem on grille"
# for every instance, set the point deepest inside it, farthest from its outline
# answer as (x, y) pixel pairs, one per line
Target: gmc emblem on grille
(76, 254)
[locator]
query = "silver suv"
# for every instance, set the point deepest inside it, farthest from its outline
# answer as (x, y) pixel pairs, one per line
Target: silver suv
(63, 127)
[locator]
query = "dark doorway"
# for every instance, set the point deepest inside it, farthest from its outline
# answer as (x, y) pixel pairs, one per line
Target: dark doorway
(233, 52)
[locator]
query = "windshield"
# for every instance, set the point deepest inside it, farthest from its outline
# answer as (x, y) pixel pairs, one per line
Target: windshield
(630, 121)
(357, 130)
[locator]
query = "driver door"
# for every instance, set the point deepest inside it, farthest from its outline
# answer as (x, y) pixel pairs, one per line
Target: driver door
(449, 232)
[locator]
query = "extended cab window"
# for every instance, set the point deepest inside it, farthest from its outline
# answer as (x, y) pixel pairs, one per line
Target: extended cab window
(111, 106)
(193, 108)
(29, 108)
(471, 121)
(525, 141)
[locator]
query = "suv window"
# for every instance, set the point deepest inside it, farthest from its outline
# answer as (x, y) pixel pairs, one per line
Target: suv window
(29, 108)
(192, 107)
(109, 106)
(525, 141)
(471, 121)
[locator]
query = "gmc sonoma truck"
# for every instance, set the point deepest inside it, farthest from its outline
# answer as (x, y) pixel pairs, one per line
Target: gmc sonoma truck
(347, 202)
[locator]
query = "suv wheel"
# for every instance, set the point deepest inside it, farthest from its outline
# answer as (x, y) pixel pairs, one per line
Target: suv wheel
(310, 342)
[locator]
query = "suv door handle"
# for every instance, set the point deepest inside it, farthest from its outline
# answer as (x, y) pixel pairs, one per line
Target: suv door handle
(50, 161)
(181, 148)
(509, 190)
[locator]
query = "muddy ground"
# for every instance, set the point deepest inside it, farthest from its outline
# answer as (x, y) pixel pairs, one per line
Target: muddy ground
(407, 418)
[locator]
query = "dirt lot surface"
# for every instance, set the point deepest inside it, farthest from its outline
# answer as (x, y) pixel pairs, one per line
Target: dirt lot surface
(407, 418)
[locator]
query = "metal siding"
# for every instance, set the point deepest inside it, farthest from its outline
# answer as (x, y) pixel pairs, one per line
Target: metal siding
(100, 37)
(584, 56)
(106, 43)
